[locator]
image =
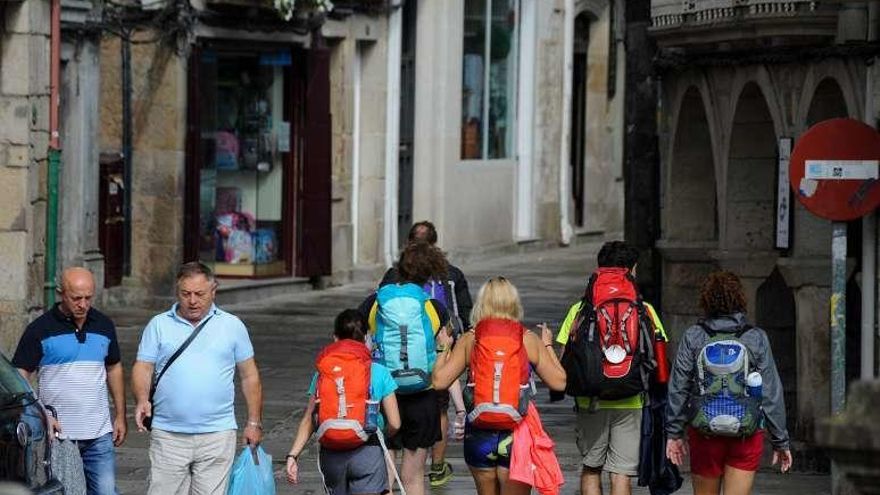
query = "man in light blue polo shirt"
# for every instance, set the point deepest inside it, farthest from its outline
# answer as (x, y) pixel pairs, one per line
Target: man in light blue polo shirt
(192, 443)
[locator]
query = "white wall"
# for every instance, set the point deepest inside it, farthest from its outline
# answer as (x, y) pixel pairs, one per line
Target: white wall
(471, 202)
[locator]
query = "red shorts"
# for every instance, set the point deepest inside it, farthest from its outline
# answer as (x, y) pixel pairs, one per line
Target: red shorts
(709, 455)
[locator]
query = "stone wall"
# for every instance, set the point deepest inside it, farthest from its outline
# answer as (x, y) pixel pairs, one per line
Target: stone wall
(24, 141)
(358, 67)
(158, 162)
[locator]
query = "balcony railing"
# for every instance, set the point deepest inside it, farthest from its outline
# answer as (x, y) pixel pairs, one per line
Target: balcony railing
(676, 21)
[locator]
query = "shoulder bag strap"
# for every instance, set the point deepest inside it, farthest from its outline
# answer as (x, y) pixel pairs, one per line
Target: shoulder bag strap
(177, 354)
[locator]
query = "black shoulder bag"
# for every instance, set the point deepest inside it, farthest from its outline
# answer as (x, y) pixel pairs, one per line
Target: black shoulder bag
(148, 420)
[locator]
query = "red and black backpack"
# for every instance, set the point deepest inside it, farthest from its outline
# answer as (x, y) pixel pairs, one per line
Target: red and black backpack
(609, 354)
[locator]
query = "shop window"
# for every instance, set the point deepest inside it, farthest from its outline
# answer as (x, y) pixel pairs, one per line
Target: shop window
(244, 141)
(491, 32)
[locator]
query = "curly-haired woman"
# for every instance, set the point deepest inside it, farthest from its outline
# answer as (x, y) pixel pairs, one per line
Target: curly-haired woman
(725, 386)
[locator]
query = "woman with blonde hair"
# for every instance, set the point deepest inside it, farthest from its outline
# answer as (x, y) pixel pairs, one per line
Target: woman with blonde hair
(499, 353)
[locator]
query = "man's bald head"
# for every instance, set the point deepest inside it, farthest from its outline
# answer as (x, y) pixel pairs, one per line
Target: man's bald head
(78, 277)
(77, 289)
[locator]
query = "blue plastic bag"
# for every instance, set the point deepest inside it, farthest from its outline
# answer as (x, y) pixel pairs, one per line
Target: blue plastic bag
(252, 473)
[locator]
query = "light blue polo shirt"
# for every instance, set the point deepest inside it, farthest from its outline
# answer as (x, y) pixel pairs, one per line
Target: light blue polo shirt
(196, 394)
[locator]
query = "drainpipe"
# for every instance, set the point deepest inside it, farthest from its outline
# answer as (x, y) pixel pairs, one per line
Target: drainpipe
(125, 46)
(356, 155)
(392, 129)
(565, 232)
(54, 155)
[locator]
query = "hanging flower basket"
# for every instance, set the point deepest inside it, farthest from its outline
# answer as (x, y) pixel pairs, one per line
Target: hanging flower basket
(287, 8)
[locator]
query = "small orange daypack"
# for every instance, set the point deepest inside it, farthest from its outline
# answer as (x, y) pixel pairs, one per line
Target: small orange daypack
(342, 395)
(499, 386)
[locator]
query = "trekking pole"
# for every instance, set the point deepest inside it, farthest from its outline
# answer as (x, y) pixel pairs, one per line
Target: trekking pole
(390, 462)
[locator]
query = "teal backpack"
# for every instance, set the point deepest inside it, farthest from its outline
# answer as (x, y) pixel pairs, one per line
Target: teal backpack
(404, 339)
(724, 406)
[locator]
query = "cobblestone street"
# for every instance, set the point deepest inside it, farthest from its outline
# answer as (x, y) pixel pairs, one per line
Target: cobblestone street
(288, 331)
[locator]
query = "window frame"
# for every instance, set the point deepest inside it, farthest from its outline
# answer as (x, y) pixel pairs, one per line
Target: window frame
(513, 73)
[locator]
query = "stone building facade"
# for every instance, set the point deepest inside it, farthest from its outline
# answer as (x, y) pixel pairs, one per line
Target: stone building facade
(395, 83)
(552, 153)
(738, 86)
(24, 141)
(293, 152)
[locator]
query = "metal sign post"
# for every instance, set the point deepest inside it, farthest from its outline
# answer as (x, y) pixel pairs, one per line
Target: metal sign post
(838, 317)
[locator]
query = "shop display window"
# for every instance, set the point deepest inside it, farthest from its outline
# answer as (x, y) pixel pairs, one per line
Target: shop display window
(491, 32)
(244, 140)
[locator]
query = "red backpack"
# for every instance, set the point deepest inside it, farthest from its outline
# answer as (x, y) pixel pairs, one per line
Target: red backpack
(342, 394)
(609, 354)
(499, 384)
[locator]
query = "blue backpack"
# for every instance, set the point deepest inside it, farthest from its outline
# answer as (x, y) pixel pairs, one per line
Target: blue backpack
(404, 340)
(444, 292)
(724, 406)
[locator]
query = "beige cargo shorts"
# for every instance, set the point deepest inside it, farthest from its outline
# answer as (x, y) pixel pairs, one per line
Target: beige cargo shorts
(608, 439)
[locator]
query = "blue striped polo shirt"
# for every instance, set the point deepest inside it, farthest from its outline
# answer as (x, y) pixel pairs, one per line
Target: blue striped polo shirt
(71, 368)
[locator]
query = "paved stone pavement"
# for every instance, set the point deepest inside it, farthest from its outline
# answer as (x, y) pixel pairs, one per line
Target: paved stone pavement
(287, 332)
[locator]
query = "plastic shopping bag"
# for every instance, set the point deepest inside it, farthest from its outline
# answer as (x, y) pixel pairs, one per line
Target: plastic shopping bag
(252, 473)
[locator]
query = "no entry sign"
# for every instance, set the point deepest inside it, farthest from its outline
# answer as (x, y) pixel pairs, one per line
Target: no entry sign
(834, 169)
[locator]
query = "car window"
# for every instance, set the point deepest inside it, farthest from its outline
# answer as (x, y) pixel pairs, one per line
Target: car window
(11, 383)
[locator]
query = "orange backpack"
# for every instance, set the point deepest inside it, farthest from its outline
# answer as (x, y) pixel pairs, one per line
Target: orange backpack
(342, 395)
(499, 385)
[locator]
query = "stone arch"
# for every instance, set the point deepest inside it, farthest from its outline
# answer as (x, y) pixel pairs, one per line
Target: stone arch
(593, 7)
(691, 199)
(760, 77)
(827, 102)
(823, 74)
(751, 173)
(776, 314)
(674, 94)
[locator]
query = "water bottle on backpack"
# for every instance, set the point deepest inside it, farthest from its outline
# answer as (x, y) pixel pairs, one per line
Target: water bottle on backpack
(754, 382)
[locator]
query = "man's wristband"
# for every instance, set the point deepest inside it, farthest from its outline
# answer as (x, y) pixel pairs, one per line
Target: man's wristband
(291, 456)
(255, 424)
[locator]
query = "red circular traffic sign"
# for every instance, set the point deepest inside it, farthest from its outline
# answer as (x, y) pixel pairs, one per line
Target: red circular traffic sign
(833, 169)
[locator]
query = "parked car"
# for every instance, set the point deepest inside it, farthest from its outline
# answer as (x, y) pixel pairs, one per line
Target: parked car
(25, 447)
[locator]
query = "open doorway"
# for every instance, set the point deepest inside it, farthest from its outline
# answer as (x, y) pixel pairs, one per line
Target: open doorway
(407, 123)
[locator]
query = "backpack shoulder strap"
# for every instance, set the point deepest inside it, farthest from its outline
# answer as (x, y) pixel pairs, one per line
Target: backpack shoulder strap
(745, 327)
(711, 333)
(580, 323)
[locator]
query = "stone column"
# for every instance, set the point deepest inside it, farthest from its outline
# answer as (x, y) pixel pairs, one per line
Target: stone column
(80, 171)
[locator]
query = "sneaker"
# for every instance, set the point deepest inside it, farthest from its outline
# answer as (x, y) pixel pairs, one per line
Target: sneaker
(440, 474)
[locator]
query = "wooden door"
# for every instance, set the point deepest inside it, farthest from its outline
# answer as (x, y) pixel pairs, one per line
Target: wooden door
(111, 219)
(313, 195)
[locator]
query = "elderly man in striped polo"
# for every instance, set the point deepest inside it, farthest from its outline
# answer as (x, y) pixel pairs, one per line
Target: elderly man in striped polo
(72, 348)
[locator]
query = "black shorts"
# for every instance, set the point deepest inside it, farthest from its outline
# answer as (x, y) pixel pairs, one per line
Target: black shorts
(419, 421)
(442, 401)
